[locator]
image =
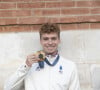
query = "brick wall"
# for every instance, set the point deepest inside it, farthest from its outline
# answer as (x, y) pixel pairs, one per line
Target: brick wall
(79, 19)
(27, 15)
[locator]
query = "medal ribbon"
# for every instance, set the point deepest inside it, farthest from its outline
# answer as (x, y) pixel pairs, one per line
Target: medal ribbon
(54, 63)
(41, 63)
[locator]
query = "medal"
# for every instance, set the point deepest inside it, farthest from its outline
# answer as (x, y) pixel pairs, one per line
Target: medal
(41, 56)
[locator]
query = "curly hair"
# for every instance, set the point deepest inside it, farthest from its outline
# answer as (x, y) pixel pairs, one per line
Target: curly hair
(49, 28)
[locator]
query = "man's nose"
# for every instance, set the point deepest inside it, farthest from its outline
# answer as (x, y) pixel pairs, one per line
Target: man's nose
(50, 41)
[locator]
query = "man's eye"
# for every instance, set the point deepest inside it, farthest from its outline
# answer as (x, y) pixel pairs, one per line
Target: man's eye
(45, 38)
(54, 38)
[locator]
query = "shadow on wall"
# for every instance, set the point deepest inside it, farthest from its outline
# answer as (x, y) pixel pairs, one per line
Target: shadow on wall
(95, 74)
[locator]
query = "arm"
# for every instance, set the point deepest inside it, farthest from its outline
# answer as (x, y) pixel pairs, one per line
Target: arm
(74, 81)
(16, 81)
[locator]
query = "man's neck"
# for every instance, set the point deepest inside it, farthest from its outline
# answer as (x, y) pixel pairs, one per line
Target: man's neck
(52, 54)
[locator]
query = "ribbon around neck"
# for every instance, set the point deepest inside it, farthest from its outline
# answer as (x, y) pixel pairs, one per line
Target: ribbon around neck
(41, 63)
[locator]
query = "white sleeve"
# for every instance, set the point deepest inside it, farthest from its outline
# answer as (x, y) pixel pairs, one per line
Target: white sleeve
(74, 83)
(16, 81)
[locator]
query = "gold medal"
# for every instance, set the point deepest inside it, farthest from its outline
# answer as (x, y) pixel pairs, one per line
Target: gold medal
(41, 55)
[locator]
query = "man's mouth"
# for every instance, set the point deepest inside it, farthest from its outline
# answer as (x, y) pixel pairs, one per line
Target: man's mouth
(51, 47)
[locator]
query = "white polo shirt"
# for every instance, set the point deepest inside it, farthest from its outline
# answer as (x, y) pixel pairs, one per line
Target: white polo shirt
(48, 78)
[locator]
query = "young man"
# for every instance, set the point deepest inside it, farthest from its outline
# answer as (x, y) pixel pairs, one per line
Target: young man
(50, 73)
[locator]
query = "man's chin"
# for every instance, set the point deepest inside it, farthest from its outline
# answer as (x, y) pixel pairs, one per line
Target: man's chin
(50, 51)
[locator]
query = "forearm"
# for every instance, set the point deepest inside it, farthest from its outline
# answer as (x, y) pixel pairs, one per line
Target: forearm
(16, 81)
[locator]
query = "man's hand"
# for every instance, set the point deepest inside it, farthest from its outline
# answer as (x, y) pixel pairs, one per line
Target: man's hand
(32, 59)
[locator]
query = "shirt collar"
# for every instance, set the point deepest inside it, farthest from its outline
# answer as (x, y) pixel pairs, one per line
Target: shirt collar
(52, 54)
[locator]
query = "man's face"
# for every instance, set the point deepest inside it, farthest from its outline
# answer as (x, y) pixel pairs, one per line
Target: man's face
(50, 42)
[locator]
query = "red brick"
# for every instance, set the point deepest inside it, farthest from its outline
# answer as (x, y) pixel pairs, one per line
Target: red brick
(74, 11)
(7, 6)
(52, 12)
(8, 21)
(68, 27)
(16, 28)
(90, 18)
(67, 0)
(37, 12)
(83, 3)
(14, 13)
(60, 4)
(1, 29)
(88, 3)
(31, 5)
(6, 13)
(82, 26)
(35, 27)
(94, 18)
(19, 13)
(37, 0)
(20, 28)
(68, 19)
(67, 4)
(51, 0)
(15, 0)
(53, 19)
(73, 19)
(52, 4)
(46, 12)
(32, 20)
(83, 18)
(95, 25)
(95, 11)
(95, 3)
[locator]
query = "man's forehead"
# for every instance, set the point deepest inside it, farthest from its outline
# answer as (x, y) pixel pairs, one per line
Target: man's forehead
(50, 35)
